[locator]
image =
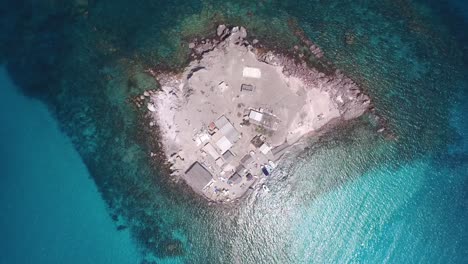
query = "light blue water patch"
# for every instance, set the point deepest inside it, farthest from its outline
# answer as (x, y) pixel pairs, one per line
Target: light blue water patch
(51, 210)
(408, 215)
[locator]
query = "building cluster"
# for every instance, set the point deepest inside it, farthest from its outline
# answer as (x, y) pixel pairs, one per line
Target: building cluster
(229, 161)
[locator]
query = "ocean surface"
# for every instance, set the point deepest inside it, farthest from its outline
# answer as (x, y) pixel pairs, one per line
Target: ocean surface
(51, 209)
(78, 184)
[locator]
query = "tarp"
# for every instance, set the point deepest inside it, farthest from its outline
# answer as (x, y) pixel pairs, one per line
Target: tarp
(251, 72)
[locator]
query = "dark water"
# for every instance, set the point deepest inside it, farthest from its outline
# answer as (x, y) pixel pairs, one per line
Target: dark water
(354, 196)
(51, 209)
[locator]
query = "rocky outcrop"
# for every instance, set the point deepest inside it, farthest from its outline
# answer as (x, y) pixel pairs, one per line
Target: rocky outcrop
(347, 95)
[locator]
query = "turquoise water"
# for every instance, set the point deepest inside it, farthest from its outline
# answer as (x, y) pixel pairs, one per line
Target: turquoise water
(51, 209)
(354, 196)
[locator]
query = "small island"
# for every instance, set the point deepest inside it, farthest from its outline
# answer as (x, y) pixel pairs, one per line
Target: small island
(228, 119)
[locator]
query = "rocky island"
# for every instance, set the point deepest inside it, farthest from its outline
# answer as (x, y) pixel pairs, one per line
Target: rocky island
(227, 120)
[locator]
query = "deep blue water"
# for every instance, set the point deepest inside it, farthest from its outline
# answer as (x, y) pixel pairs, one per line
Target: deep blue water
(51, 210)
(75, 166)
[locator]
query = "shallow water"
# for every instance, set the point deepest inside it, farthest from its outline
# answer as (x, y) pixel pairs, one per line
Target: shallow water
(354, 196)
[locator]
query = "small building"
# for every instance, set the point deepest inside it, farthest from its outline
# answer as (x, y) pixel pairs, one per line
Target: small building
(264, 119)
(235, 178)
(257, 141)
(241, 170)
(246, 160)
(249, 176)
(227, 129)
(229, 134)
(247, 88)
(197, 176)
(202, 138)
(212, 128)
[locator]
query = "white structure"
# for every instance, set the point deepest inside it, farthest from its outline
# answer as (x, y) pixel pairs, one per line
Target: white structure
(228, 132)
(251, 72)
(255, 115)
(265, 148)
(223, 144)
(202, 138)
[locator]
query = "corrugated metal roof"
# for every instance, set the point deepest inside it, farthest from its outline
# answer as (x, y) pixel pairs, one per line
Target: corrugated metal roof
(246, 159)
(197, 176)
(230, 132)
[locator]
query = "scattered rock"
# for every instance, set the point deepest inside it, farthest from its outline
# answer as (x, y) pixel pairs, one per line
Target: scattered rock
(243, 33)
(191, 45)
(146, 93)
(220, 30)
(255, 41)
(151, 107)
(316, 51)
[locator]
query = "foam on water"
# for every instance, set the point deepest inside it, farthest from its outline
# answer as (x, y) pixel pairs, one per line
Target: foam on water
(51, 210)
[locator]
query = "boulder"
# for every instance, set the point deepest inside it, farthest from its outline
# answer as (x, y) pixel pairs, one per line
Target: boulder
(242, 33)
(220, 30)
(151, 107)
